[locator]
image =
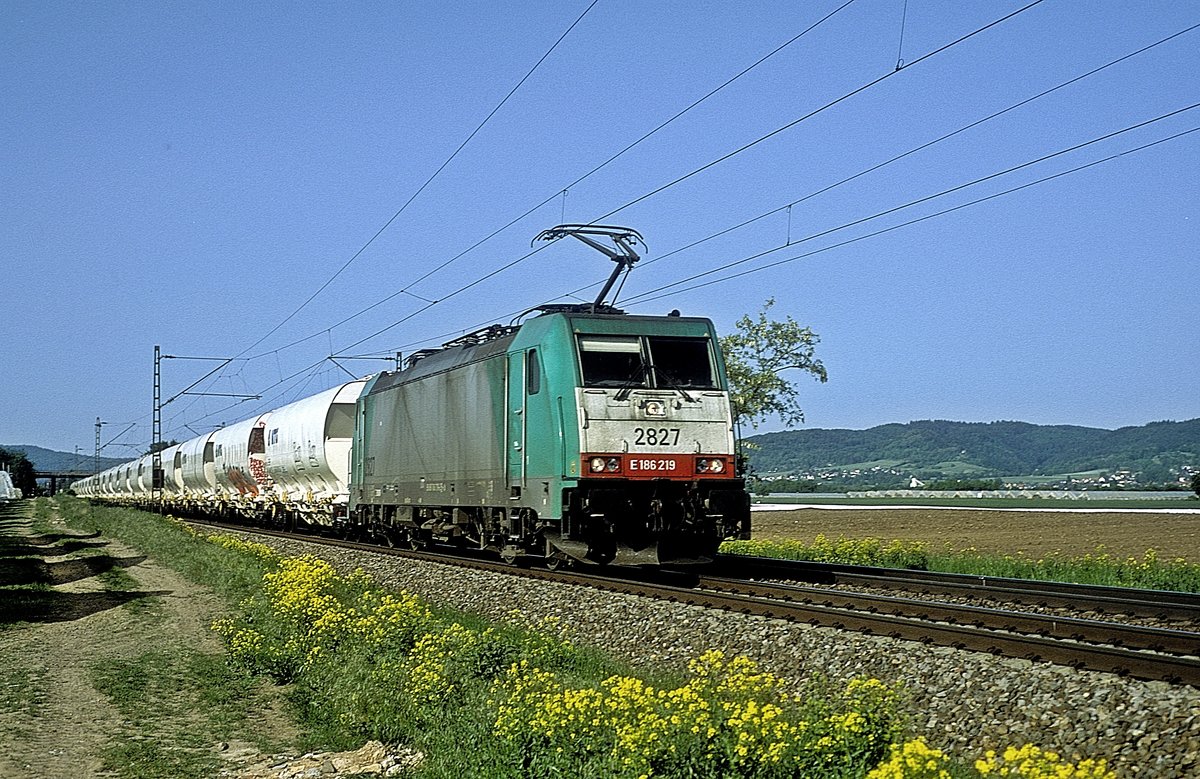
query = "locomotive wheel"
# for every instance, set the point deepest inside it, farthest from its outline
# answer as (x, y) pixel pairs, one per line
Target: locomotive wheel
(558, 562)
(556, 559)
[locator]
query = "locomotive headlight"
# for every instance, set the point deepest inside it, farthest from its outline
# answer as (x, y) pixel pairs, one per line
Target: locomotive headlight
(597, 464)
(614, 464)
(655, 408)
(716, 466)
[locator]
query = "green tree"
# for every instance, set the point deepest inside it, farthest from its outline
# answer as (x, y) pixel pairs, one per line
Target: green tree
(160, 446)
(757, 356)
(1196, 484)
(20, 469)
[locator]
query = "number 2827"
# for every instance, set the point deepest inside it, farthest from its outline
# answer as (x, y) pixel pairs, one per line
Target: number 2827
(656, 436)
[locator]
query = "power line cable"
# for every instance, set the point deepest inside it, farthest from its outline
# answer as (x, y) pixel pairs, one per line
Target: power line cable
(1061, 174)
(643, 297)
(708, 165)
(813, 113)
(898, 157)
(650, 296)
(406, 290)
(421, 189)
(856, 91)
(916, 149)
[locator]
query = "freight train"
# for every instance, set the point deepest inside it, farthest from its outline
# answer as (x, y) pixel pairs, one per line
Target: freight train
(581, 434)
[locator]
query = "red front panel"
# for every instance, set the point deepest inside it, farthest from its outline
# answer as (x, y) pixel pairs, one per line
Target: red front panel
(658, 466)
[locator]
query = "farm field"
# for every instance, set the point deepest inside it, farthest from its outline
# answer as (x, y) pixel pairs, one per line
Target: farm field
(1033, 532)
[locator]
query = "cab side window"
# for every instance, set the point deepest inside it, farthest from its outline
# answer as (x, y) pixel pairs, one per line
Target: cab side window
(533, 373)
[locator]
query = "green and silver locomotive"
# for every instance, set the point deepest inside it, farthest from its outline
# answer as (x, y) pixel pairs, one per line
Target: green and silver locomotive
(593, 436)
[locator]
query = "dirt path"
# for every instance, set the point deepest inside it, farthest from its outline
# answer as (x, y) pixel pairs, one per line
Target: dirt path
(111, 607)
(1034, 532)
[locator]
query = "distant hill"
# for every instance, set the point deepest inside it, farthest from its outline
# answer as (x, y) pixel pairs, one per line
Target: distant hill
(936, 448)
(50, 460)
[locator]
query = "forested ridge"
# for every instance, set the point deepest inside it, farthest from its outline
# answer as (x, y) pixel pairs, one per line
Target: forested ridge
(938, 447)
(51, 460)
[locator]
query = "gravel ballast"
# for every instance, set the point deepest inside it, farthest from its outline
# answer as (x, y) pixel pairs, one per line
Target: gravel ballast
(965, 702)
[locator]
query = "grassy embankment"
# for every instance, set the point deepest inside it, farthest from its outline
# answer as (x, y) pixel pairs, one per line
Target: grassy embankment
(360, 662)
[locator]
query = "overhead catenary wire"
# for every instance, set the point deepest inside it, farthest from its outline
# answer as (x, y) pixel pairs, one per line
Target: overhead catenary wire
(896, 158)
(900, 47)
(561, 191)
(922, 146)
(927, 217)
(423, 186)
(809, 115)
(706, 166)
(650, 294)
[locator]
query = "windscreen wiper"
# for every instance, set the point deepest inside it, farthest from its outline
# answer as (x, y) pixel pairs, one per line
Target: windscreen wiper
(669, 380)
(636, 378)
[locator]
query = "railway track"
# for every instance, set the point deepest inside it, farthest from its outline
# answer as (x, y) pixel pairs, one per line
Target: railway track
(1156, 604)
(1151, 653)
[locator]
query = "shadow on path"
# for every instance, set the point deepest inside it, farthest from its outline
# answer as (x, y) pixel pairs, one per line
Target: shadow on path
(32, 571)
(46, 606)
(26, 576)
(45, 539)
(15, 546)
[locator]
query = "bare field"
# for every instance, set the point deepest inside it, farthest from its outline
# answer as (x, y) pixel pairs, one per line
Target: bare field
(1035, 533)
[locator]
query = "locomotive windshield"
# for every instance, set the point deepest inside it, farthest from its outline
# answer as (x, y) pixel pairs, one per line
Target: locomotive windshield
(612, 361)
(681, 363)
(661, 362)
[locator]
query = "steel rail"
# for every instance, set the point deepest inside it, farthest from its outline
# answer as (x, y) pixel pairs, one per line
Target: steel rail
(1158, 604)
(1110, 659)
(1167, 640)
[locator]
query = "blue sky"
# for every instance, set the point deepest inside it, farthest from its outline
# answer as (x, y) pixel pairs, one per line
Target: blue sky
(188, 174)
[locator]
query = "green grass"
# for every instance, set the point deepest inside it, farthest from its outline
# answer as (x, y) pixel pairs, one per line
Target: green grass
(363, 664)
(23, 694)
(1100, 567)
(175, 704)
(176, 699)
(1147, 572)
(144, 688)
(233, 576)
(956, 468)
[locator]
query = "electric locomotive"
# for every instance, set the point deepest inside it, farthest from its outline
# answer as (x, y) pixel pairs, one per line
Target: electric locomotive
(582, 434)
